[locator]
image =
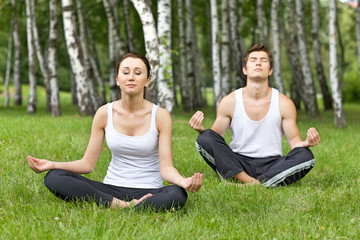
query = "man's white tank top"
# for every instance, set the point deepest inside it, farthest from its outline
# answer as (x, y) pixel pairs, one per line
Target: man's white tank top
(135, 159)
(257, 139)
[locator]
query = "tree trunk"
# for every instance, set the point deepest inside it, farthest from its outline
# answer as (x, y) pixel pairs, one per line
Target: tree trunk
(292, 50)
(53, 82)
(83, 91)
(151, 42)
(235, 44)
(114, 49)
(260, 20)
(339, 115)
(95, 66)
(17, 58)
(31, 107)
(215, 53)
(130, 34)
(8, 61)
(276, 45)
(86, 58)
(225, 49)
(183, 82)
(165, 77)
(40, 56)
(308, 87)
(358, 33)
(317, 52)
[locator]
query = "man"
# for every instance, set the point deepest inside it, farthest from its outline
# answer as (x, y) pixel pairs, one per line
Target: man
(257, 116)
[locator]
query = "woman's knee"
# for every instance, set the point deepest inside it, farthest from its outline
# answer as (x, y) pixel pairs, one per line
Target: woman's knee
(178, 194)
(53, 177)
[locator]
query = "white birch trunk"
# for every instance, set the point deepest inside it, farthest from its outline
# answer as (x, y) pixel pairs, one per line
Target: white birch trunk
(8, 63)
(151, 42)
(185, 94)
(53, 81)
(95, 65)
(31, 107)
(260, 19)
(165, 77)
(308, 87)
(40, 56)
(358, 33)
(235, 43)
(317, 51)
(225, 49)
(83, 93)
(276, 46)
(17, 58)
(339, 116)
(86, 58)
(190, 71)
(216, 71)
(114, 51)
(130, 34)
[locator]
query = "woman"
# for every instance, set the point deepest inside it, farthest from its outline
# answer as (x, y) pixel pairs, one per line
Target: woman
(138, 134)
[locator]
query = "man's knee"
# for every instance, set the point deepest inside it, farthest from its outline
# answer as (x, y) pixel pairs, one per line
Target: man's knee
(303, 154)
(206, 138)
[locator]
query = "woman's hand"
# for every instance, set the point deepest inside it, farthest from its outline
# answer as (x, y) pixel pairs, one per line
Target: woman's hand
(117, 203)
(39, 165)
(193, 184)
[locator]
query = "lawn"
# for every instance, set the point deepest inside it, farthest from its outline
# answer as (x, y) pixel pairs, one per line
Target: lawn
(323, 205)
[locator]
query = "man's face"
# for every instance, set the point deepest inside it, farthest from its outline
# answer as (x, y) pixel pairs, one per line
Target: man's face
(258, 65)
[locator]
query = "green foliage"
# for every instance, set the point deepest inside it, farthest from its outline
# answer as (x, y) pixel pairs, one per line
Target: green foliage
(324, 205)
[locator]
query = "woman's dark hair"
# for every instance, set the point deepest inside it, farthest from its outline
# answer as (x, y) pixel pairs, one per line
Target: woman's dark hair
(258, 48)
(135, 55)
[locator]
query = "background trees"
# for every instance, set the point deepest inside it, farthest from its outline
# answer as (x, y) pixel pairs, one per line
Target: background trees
(184, 43)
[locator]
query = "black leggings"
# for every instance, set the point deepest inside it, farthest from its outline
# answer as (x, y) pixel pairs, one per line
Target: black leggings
(70, 186)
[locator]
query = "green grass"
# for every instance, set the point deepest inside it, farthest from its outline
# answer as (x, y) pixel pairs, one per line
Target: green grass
(323, 205)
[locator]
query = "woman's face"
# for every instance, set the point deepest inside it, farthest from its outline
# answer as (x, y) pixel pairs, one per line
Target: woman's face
(132, 76)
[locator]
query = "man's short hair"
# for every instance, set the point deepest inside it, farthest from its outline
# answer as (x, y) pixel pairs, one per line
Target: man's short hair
(258, 48)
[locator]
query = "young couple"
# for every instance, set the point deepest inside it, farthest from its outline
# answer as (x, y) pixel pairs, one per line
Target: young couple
(138, 134)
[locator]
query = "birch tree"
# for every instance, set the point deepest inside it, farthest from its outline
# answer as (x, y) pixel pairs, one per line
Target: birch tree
(8, 64)
(260, 20)
(339, 115)
(151, 42)
(184, 81)
(40, 56)
(235, 44)
(292, 50)
(165, 78)
(308, 86)
(216, 72)
(276, 46)
(193, 78)
(86, 56)
(317, 51)
(31, 107)
(17, 57)
(83, 92)
(130, 35)
(358, 33)
(116, 46)
(51, 59)
(225, 49)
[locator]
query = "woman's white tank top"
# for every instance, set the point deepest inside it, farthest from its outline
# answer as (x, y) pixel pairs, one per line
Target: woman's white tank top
(135, 159)
(257, 139)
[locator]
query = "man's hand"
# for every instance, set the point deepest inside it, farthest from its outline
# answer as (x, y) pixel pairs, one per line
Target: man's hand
(312, 138)
(196, 121)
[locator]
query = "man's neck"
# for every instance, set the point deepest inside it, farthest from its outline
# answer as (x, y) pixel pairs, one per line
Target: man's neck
(256, 90)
